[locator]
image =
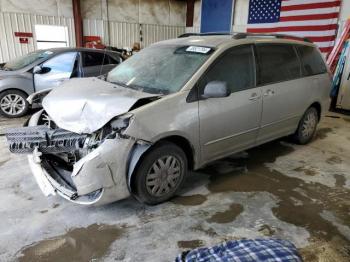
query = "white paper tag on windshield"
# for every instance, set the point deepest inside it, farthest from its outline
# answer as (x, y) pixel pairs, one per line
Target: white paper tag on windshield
(198, 49)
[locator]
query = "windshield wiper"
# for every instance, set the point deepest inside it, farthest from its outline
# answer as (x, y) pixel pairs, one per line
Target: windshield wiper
(143, 89)
(119, 83)
(139, 88)
(157, 91)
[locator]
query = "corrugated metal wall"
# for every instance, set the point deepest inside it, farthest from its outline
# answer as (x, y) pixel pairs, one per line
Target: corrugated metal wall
(193, 29)
(121, 34)
(155, 33)
(14, 22)
(125, 34)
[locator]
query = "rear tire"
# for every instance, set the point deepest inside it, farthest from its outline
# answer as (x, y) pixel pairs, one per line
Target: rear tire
(307, 127)
(160, 173)
(13, 103)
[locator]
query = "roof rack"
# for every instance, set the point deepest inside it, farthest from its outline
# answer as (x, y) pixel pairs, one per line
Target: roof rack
(281, 36)
(203, 34)
(241, 35)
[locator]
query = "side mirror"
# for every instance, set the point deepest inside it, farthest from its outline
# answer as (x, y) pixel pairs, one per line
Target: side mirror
(41, 70)
(216, 89)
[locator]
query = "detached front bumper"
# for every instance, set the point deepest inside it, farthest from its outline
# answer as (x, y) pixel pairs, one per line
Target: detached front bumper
(49, 186)
(100, 177)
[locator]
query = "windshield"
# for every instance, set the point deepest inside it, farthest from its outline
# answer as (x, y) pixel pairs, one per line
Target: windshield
(160, 69)
(25, 60)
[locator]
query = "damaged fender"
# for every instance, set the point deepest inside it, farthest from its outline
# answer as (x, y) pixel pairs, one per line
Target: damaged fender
(110, 166)
(105, 167)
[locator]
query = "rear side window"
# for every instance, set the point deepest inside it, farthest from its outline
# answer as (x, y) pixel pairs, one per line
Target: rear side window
(110, 61)
(277, 63)
(92, 59)
(312, 62)
(236, 68)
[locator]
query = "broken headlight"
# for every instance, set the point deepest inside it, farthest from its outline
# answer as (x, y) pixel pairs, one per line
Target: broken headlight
(122, 122)
(115, 127)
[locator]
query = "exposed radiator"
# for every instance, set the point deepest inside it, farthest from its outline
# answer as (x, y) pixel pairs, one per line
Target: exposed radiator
(25, 139)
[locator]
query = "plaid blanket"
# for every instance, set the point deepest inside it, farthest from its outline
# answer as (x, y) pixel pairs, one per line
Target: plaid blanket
(268, 250)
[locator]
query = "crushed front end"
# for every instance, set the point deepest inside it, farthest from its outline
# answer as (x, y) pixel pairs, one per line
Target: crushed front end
(83, 168)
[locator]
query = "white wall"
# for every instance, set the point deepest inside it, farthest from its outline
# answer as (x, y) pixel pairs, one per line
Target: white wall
(344, 14)
(240, 15)
(345, 10)
(38, 7)
(163, 12)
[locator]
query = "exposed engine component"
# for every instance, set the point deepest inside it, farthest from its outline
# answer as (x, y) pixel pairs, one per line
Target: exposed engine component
(25, 139)
(46, 120)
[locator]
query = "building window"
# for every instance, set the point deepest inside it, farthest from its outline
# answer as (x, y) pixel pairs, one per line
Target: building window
(51, 36)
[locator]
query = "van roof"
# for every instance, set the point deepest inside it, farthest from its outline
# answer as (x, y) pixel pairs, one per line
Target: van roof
(214, 40)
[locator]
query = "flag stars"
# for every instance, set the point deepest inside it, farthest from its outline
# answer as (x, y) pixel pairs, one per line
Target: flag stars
(266, 11)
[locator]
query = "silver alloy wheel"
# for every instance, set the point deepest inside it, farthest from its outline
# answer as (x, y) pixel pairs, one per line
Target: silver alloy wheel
(163, 176)
(309, 125)
(12, 104)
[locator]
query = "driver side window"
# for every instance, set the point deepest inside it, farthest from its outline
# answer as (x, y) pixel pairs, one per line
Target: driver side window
(235, 67)
(61, 64)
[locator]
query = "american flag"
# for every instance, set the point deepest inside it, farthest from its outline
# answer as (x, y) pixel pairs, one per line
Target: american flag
(316, 20)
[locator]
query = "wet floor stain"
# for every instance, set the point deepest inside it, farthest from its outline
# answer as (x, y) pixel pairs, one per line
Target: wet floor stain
(306, 171)
(340, 180)
(190, 244)
(227, 216)
(209, 231)
(79, 244)
(294, 207)
(335, 250)
(334, 160)
(193, 200)
(322, 133)
(266, 230)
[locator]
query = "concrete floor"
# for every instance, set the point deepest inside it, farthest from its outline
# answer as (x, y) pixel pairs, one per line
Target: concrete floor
(299, 193)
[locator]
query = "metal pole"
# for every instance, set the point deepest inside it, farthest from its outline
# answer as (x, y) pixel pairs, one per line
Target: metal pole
(78, 23)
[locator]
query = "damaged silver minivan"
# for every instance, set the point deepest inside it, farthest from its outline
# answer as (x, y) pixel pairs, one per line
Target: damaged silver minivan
(175, 106)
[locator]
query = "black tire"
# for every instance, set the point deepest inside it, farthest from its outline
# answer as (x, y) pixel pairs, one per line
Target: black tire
(22, 103)
(307, 127)
(143, 175)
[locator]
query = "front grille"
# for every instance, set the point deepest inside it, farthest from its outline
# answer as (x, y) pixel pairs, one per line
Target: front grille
(25, 139)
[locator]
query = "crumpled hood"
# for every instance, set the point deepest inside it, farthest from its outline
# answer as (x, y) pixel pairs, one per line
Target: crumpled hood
(84, 105)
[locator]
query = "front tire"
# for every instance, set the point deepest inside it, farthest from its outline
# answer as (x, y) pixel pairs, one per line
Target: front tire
(13, 103)
(160, 173)
(307, 127)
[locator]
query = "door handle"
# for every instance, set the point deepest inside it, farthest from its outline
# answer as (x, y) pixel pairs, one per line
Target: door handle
(269, 92)
(254, 97)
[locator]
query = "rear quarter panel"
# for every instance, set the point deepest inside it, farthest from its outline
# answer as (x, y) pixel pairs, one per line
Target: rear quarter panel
(321, 91)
